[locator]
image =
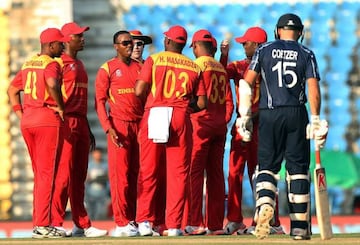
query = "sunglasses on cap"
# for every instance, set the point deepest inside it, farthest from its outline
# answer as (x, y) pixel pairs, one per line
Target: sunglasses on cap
(125, 43)
(139, 43)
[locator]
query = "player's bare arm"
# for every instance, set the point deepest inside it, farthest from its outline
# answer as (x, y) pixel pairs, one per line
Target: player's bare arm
(317, 129)
(15, 100)
(141, 88)
(314, 96)
(55, 93)
(224, 49)
(199, 103)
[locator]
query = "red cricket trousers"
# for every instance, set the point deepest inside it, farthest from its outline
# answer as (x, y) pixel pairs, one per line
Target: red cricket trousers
(240, 154)
(70, 180)
(178, 156)
(123, 171)
(207, 158)
(44, 145)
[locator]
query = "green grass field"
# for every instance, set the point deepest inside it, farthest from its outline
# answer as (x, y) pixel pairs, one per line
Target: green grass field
(213, 240)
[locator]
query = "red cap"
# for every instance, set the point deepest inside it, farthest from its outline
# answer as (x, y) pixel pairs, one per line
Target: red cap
(253, 34)
(177, 34)
(201, 35)
(52, 35)
(136, 34)
(73, 28)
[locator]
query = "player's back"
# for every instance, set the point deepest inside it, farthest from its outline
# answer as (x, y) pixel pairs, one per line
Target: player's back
(174, 79)
(284, 66)
(36, 96)
(217, 88)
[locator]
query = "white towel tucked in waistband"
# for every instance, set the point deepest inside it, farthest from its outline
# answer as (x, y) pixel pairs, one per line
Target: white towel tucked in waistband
(158, 124)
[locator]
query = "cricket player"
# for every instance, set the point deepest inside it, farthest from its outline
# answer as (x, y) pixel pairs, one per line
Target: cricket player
(209, 136)
(41, 111)
(114, 86)
(286, 68)
(78, 139)
(242, 152)
(172, 86)
(140, 41)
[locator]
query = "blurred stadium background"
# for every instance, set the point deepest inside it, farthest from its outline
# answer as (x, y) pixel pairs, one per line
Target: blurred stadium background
(331, 31)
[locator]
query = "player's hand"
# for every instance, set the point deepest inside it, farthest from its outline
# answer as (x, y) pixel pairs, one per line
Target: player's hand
(114, 137)
(317, 129)
(58, 110)
(92, 141)
(244, 127)
(61, 114)
(224, 47)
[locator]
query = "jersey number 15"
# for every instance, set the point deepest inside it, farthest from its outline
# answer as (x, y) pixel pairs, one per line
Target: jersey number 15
(285, 70)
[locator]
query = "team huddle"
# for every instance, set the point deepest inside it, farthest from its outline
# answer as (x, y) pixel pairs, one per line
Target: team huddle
(165, 118)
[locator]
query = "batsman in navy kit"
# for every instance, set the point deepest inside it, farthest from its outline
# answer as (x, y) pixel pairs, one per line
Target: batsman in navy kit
(287, 68)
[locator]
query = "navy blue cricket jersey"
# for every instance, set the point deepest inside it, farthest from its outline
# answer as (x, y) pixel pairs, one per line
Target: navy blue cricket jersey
(284, 67)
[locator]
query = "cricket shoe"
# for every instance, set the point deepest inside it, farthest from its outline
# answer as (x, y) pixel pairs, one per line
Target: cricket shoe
(214, 232)
(300, 234)
(277, 230)
(145, 229)
(88, 232)
(66, 233)
(174, 232)
(249, 231)
(129, 230)
(155, 233)
(194, 230)
(158, 230)
(264, 217)
(47, 232)
(232, 227)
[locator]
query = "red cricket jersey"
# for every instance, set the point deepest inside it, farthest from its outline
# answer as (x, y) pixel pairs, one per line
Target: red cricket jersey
(74, 86)
(220, 106)
(115, 84)
(173, 79)
(31, 79)
(237, 70)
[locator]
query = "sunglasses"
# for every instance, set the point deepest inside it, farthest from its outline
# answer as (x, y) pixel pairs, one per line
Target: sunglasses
(139, 43)
(125, 43)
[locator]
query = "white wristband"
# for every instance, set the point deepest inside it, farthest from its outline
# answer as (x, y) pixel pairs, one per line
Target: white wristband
(315, 118)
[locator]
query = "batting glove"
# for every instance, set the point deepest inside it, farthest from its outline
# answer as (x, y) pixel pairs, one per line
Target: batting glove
(317, 129)
(244, 127)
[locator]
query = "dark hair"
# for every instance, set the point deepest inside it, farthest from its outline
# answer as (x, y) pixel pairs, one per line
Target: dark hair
(208, 45)
(119, 33)
(177, 46)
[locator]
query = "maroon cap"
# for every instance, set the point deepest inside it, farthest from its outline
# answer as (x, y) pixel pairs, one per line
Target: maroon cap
(253, 34)
(201, 35)
(136, 34)
(52, 35)
(73, 28)
(177, 34)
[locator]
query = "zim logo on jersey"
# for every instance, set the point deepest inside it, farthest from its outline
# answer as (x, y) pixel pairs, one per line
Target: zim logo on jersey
(321, 179)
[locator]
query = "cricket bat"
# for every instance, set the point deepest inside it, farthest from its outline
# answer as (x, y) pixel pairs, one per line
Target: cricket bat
(322, 199)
